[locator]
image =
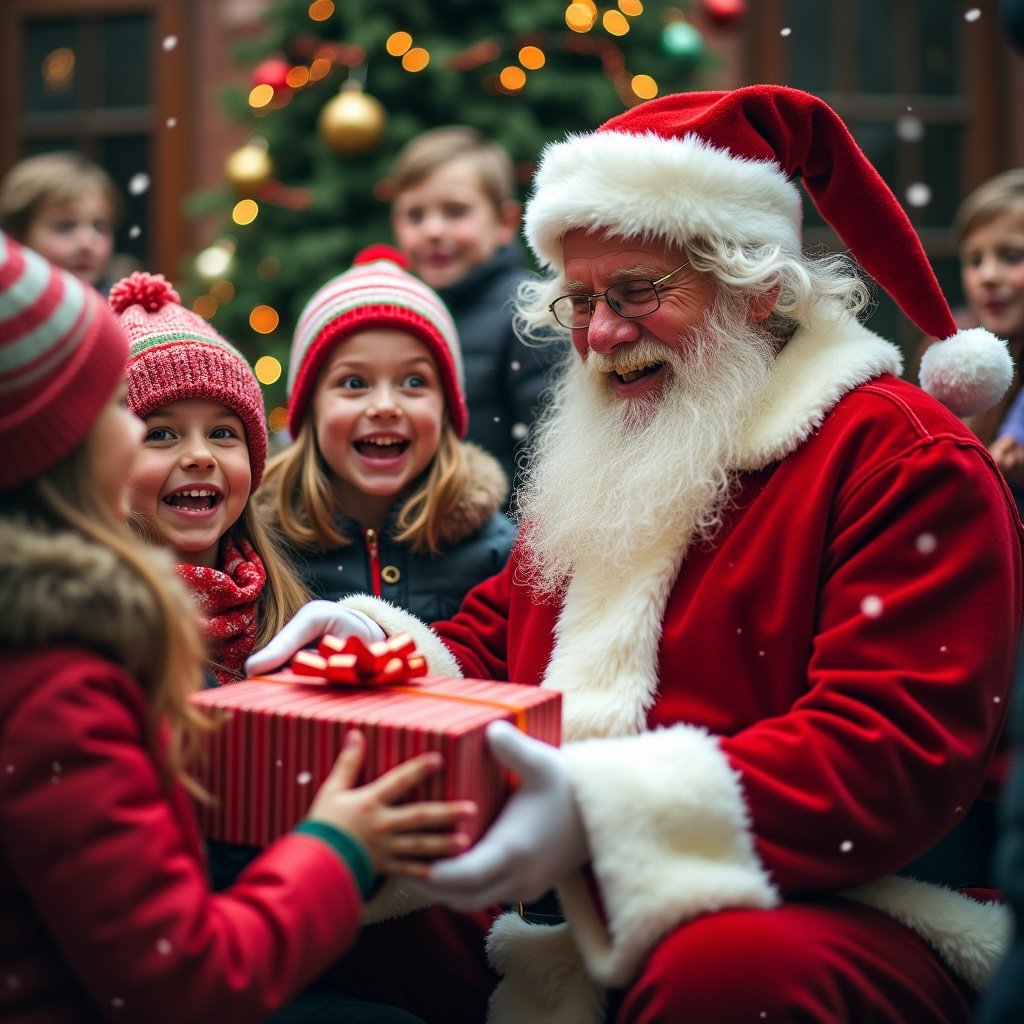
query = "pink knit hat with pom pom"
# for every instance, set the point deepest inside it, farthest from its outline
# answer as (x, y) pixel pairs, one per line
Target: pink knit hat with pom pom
(176, 354)
(377, 291)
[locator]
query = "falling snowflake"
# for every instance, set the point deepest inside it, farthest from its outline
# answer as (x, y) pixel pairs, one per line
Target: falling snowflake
(171, 122)
(169, 43)
(785, 32)
(163, 947)
(304, 778)
(846, 846)
(997, 699)
(13, 981)
(760, 654)
(739, 629)
(279, 763)
(919, 194)
(519, 431)
(497, 419)
(138, 184)
(9, 769)
(117, 1003)
(958, 809)
(926, 543)
(909, 129)
(134, 231)
(56, 767)
(943, 649)
(972, 14)
(515, 365)
(872, 606)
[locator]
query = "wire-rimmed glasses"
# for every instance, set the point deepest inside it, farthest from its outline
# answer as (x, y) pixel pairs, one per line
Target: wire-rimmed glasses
(627, 298)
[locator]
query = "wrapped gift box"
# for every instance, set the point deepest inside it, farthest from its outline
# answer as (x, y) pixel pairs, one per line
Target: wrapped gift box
(282, 733)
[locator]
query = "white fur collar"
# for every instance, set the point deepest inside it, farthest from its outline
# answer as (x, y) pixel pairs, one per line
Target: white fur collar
(812, 373)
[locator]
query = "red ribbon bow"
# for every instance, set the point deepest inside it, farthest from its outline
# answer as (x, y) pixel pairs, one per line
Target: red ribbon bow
(352, 662)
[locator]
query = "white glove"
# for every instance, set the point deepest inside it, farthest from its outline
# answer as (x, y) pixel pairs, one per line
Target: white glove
(536, 841)
(306, 627)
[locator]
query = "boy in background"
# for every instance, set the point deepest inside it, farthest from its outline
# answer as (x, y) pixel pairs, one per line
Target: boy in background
(455, 214)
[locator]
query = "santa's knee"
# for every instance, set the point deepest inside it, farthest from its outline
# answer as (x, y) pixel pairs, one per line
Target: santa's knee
(730, 966)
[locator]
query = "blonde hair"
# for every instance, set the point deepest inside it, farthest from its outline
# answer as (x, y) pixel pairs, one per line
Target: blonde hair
(1002, 194)
(50, 179)
(299, 494)
(431, 149)
(170, 667)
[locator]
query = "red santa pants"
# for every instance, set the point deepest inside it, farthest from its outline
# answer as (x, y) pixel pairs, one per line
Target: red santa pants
(826, 963)
(831, 962)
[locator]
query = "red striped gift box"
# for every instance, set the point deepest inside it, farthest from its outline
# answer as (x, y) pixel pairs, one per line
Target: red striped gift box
(280, 736)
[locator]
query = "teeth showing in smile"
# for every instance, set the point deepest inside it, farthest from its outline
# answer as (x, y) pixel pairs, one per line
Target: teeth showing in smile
(631, 375)
(194, 498)
(381, 447)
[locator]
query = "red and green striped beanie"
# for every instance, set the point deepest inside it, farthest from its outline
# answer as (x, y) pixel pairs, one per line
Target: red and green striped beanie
(176, 354)
(61, 356)
(376, 292)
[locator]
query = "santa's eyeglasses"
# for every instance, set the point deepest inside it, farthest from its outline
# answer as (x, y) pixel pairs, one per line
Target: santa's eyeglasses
(627, 298)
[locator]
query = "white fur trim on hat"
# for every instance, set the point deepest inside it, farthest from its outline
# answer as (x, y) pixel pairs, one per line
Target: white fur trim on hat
(968, 372)
(645, 185)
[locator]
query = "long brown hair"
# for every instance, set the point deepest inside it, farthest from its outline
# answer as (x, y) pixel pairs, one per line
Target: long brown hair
(299, 494)
(170, 668)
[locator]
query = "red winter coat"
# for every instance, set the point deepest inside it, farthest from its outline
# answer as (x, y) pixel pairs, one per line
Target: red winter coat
(105, 905)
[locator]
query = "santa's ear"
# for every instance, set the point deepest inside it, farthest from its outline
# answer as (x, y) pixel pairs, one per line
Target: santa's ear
(762, 305)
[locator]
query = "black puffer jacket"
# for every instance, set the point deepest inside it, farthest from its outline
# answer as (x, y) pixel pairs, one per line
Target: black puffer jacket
(477, 540)
(504, 378)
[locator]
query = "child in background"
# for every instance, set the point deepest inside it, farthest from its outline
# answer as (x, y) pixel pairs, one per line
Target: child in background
(66, 208)
(106, 910)
(202, 458)
(455, 214)
(991, 228)
(377, 493)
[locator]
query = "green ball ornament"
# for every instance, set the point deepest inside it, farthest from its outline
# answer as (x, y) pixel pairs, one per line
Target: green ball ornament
(680, 39)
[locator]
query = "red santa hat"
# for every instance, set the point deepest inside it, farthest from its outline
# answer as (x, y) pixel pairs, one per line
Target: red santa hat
(720, 164)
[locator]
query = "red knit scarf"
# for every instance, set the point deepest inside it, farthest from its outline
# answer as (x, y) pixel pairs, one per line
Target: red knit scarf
(227, 605)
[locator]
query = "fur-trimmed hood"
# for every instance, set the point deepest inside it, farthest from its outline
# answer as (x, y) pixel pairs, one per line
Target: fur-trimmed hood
(61, 588)
(485, 493)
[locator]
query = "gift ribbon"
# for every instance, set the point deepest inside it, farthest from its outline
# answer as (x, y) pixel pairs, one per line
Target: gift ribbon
(386, 664)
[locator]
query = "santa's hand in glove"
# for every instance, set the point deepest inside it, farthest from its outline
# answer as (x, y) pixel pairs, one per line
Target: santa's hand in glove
(311, 622)
(535, 842)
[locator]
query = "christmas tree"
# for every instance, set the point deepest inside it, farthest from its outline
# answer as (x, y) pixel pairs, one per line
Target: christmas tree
(338, 88)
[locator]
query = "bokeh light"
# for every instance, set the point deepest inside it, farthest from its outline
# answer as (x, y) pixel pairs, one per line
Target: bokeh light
(264, 319)
(532, 57)
(321, 10)
(297, 77)
(260, 96)
(512, 78)
(278, 418)
(631, 8)
(416, 59)
(580, 17)
(267, 370)
(398, 43)
(205, 306)
(245, 211)
(222, 291)
(644, 86)
(615, 23)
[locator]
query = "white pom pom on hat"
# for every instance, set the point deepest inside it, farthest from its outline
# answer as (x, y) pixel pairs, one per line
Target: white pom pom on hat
(721, 164)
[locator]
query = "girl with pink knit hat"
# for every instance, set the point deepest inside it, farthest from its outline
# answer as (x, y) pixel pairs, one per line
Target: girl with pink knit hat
(107, 911)
(378, 493)
(202, 458)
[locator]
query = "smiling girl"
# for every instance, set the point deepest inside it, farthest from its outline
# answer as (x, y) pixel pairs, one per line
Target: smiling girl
(378, 493)
(202, 458)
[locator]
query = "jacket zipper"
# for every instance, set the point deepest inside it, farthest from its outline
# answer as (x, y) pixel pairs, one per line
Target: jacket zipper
(373, 551)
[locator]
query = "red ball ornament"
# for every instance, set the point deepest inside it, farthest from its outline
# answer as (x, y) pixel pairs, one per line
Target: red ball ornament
(272, 72)
(725, 12)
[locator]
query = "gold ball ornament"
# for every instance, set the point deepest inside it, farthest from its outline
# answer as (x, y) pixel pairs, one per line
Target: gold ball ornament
(352, 122)
(248, 168)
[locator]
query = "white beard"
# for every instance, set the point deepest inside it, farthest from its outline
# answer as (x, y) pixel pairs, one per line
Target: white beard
(608, 478)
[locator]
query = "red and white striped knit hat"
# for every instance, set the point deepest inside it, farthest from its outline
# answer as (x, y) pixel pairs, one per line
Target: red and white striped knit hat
(61, 356)
(375, 292)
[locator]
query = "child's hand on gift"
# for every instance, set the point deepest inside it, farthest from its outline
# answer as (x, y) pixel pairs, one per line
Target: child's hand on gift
(400, 839)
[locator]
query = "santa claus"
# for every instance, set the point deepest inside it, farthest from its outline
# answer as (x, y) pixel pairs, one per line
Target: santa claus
(778, 586)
